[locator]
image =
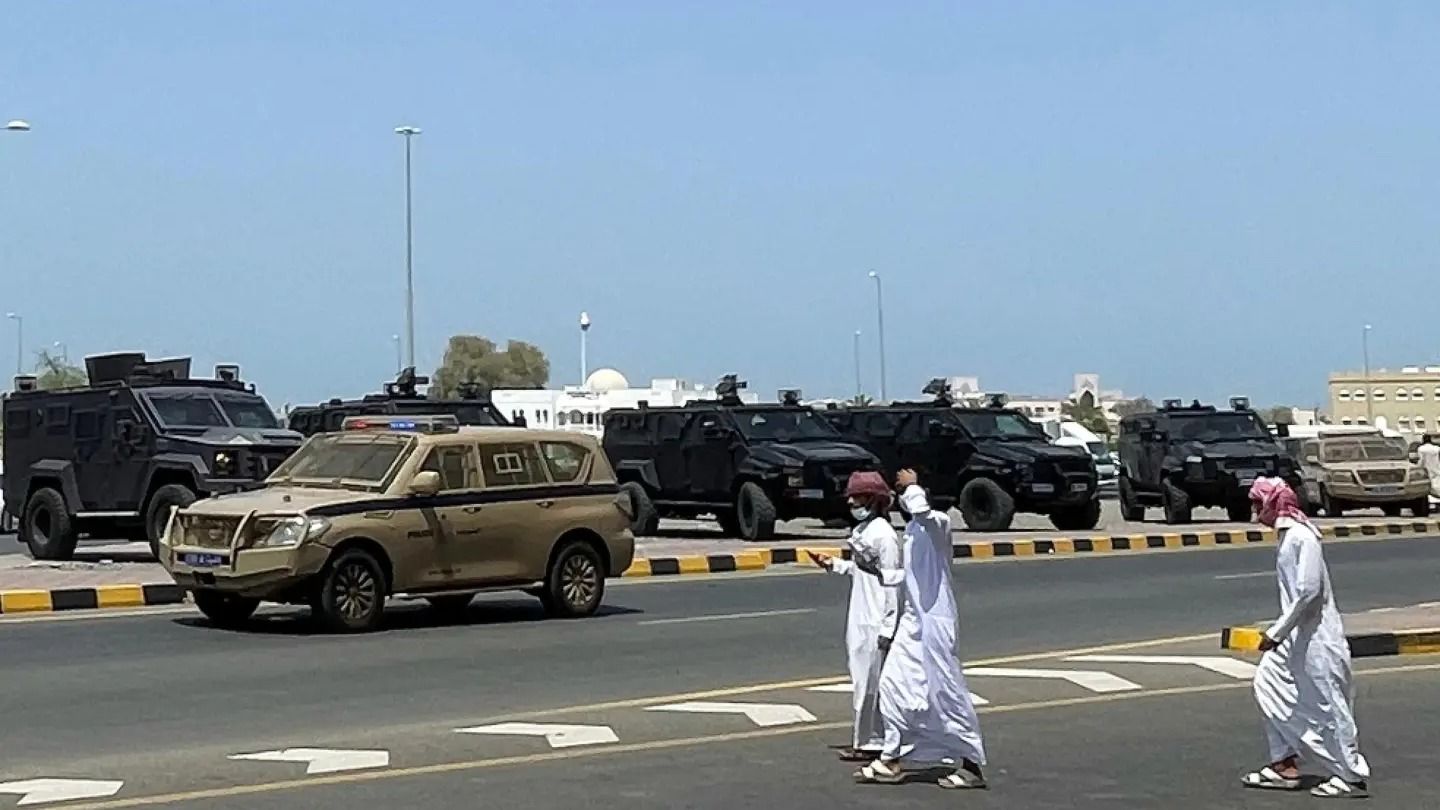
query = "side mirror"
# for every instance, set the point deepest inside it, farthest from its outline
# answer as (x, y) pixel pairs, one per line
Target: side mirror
(425, 483)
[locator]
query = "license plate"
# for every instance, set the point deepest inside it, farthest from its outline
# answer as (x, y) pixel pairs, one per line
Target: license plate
(202, 560)
(1079, 487)
(1042, 489)
(1386, 490)
(1246, 480)
(812, 494)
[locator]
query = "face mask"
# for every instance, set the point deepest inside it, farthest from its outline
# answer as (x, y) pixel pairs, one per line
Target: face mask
(860, 513)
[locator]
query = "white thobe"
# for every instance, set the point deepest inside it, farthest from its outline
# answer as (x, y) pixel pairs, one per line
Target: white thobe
(1304, 686)
(1430, 460)
(929, 718)
(872, 614)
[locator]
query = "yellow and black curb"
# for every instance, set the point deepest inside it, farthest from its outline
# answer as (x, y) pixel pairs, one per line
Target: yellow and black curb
(99, 596)
(1362, 645)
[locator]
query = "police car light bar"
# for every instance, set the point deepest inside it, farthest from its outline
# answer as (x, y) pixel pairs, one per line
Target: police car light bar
(418, 424)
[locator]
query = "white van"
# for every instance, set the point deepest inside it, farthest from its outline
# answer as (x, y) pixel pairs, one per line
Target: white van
(1065, 433)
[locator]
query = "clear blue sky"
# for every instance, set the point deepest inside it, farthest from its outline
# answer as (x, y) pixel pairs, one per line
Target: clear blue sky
(1191, 199)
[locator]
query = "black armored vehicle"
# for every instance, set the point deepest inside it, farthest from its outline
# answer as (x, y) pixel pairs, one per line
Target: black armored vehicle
(989, 461)
(112, 458)
(748, 464)
(399, 398)
(1183, 456)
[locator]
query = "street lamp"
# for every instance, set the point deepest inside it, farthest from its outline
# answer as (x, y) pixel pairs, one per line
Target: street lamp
(18, 126)
(880, 316)
(584, 360)
(859, 389)
(399, 359)
(1369, 392)
(64, 352)
(19, 341)
(409, 133)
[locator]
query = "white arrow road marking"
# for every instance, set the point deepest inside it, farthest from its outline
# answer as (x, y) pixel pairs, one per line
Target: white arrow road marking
(1233, 667)
(847, 689)
(323, 760)
(1094, 680)
(558, 735)
(761, 714)
(42, 791)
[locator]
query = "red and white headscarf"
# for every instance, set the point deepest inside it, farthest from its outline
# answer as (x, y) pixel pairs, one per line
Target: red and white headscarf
(1274, 499)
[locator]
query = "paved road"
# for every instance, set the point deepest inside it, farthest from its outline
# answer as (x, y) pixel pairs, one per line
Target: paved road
(160, 701)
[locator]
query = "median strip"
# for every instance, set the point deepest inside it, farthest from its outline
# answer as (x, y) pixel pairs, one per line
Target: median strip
(1410, 630)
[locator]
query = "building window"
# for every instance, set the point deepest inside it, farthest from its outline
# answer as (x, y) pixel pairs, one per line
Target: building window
(1419, 423)
(1377, 394)
(1359, 395)
(1404, 424)
(1345, 421)
(1401, 395)
(1343, 395)
(1417, 394)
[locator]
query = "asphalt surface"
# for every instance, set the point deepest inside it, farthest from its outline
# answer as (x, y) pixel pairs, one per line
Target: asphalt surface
(161, 700)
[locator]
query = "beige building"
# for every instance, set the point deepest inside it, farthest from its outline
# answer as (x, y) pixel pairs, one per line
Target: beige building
(1407, 401)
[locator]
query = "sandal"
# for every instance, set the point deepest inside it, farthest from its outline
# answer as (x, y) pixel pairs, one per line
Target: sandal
(1267, 778)
(878, 773)
(857, 755)
(963, 780)
(1337, 788)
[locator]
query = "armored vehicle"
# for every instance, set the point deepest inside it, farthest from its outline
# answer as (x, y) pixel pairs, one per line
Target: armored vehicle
(748, 464)
(1352, 470)
(990, 461)
(415, 506)
(1180, 457)
(399, 398)
(113, 458)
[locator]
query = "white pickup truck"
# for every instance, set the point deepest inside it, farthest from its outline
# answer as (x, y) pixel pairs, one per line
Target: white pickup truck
(1065, 433)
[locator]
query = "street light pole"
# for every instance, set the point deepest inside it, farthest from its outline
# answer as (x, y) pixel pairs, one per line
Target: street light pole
(409, 133)
(1369, 392)
(64, 352)
(584, 359)
(880, 317)
(19, 341)
(859, 389)
(399, 358)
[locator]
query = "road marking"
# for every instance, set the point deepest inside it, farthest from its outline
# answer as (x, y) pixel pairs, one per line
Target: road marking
(44, 791)
(323, 760)
(720, 617)
(1232, 667)
(846, 688)
(556, 734)
(1250, 575)
(359, 777)
(761, 714)
(1094, 680)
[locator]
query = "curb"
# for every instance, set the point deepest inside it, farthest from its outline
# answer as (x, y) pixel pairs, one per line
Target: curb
(1362, 645)
(98, 596)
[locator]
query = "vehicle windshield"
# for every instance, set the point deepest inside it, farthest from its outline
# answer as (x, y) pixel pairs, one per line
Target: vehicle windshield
(345, 461)
(1364, 450)
(999, 425)
(1217, 427)
(187, 410)
(1098, 450)
(783, 425)
(248, 412)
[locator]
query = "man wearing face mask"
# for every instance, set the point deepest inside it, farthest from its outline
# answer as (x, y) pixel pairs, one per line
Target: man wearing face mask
(870, 623)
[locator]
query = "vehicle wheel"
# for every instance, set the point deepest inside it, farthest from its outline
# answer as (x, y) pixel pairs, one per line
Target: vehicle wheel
(1130, 509)
(1421, 508)
(755, 512)
(986, 506)
(1331, 506)
(646, 520)
(1077, 518)
(451, 604)
(1392, 509)
(47, 528)
(575, 583)
(225, 609)
(352, 593)
(729, 522)
(1176, 502)
(1240, 511)
(157, 514)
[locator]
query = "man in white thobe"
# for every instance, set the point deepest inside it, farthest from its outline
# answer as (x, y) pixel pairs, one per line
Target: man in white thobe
(1304, 685)
(1430, 459)
(929, 718)
(873, 609)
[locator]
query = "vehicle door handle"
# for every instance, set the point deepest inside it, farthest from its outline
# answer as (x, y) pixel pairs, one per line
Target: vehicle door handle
(470, 510)
(544, 504)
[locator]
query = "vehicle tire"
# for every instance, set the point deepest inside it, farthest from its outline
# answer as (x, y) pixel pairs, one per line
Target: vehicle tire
(451, 604)
(1331, 506)
(986, 506)
(1077, 518)
(1240, 511)
(157, 513)
(225, 609)
(646, 520)
(47, 528)
(352, 593)
(1392, 510)
(575, 583)
(755, 512)
(1130, 510)
(1421, 508)
(1176, 502)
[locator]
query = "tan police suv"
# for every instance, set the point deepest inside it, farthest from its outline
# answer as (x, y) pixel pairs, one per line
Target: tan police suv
(414, 506)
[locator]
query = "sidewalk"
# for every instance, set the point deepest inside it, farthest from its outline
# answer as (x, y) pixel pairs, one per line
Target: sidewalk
(1410, 630)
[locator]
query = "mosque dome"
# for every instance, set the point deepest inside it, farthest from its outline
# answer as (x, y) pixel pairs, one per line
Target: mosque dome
(603, 380)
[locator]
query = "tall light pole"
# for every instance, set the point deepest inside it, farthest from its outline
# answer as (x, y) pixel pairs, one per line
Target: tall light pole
(409, 134)
(399, 358)
(19, 341)
(584, 335)
(1369, 393)
(880, 316)
(859, 388)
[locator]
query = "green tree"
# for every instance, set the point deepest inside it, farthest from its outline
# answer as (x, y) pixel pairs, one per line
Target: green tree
(1087, 414)
(1278, 415)
(474, 360)
(52, 371)
(1134, 406)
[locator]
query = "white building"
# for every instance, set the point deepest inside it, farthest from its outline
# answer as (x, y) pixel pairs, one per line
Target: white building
(583, 407)
(967, 391)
